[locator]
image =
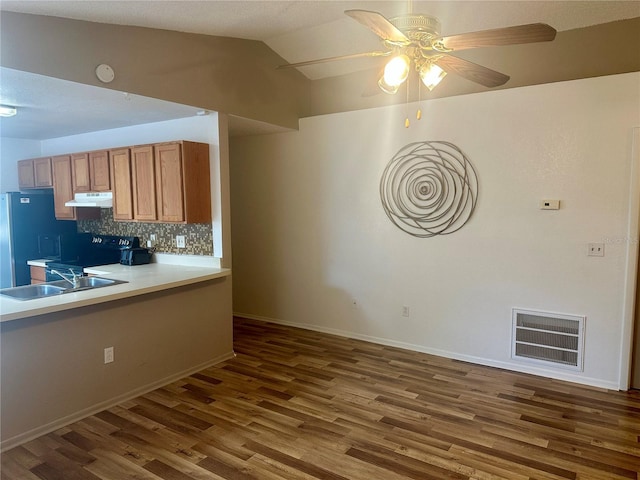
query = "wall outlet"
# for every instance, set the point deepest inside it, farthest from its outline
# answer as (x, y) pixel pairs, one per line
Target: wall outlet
(405, 311)
(108, 355)
(153, 237)
(181, 241)
(596, 250)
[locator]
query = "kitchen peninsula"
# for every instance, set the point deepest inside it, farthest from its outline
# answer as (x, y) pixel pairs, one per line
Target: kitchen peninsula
(139, 280)
(166, 322)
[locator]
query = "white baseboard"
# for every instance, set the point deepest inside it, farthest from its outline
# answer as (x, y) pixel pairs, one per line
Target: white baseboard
(8, 443)
(515, 367)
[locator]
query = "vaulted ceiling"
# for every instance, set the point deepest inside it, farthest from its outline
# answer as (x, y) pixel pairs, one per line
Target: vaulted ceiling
(305, 30)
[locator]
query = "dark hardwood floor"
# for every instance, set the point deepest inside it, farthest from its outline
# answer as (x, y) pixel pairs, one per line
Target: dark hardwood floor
(296, 404)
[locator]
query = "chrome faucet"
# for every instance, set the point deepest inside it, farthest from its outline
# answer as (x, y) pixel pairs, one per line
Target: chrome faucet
(72, 279)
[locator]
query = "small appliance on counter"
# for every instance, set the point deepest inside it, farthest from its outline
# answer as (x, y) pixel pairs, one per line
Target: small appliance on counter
(94, 250)
(135, 256)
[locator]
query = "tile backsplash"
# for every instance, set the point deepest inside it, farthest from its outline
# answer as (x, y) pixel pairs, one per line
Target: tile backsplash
(199, 236)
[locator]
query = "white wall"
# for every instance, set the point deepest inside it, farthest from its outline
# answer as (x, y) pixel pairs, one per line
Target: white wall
(197, 129)
(12, 150)
(313, 246)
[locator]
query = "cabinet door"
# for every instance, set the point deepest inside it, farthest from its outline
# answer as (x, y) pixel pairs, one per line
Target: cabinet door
(120, 162)
(62, 187)
(99, 171)
(143, 183)
(169, 184)
(38, 275)
(197, 182)
(42, 172)
(26, 178)
(80, 172)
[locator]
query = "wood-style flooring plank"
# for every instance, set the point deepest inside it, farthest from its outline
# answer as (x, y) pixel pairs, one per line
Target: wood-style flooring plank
(295, 404)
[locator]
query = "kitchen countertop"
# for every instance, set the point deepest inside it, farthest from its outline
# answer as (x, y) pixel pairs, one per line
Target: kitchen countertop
(141, 279)
(39, 262)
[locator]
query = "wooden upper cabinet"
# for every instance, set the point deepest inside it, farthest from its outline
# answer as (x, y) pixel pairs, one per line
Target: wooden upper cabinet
(26, 175)
(197, 182)
(91, 172)
(166, 182)
(143, 186)
(121, 184)
(62, 187)
(35, 173)
(183, 182)
(169, 182)
(43, 173)
(80, 172)
(99, 171)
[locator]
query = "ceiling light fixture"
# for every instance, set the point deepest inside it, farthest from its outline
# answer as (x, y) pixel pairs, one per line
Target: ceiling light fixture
(395, 73)
(431, 75)
(414, 40)
(397, 70)
(7, 111)
(414, 49)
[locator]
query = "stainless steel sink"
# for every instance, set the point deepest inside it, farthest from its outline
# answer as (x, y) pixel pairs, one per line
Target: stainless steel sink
(59, 287)
(30, 292)
(85, 283)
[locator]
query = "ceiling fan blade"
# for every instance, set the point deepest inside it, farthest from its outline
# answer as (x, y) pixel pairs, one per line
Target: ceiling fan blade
(531, 33)
(378, 24)
(333, 59)
(472, 71)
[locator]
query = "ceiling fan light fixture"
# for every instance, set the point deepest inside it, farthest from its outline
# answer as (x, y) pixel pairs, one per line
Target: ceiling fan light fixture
(397, 70)
(431, 75)
(386, 88)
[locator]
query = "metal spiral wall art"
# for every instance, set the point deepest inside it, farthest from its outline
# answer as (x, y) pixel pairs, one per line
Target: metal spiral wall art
(429, 188)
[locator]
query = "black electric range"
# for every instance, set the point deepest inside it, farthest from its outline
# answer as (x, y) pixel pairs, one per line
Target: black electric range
(93, 250)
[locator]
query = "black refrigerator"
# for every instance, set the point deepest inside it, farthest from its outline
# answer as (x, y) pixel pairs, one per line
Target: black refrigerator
(24, 217)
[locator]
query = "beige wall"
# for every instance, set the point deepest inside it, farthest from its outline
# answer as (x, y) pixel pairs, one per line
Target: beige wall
(222, 74)
(314, 248)
(52, 369)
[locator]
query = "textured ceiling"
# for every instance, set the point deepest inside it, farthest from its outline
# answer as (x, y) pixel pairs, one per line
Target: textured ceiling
(296, 30)
(52, 108)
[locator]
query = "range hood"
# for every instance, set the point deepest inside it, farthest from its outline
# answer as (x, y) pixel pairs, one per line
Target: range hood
(91, 199)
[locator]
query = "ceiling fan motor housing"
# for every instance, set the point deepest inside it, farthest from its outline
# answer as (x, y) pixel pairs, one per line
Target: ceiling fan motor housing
(417, 27)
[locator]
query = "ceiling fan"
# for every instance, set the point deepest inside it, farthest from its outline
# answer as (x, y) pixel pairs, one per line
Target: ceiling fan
(415, 40)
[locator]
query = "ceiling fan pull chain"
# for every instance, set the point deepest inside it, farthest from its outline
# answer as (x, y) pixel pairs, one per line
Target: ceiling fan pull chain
(406, 107)
(419, 112)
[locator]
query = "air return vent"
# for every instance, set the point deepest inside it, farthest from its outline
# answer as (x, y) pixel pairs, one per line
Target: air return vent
(551, 339)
